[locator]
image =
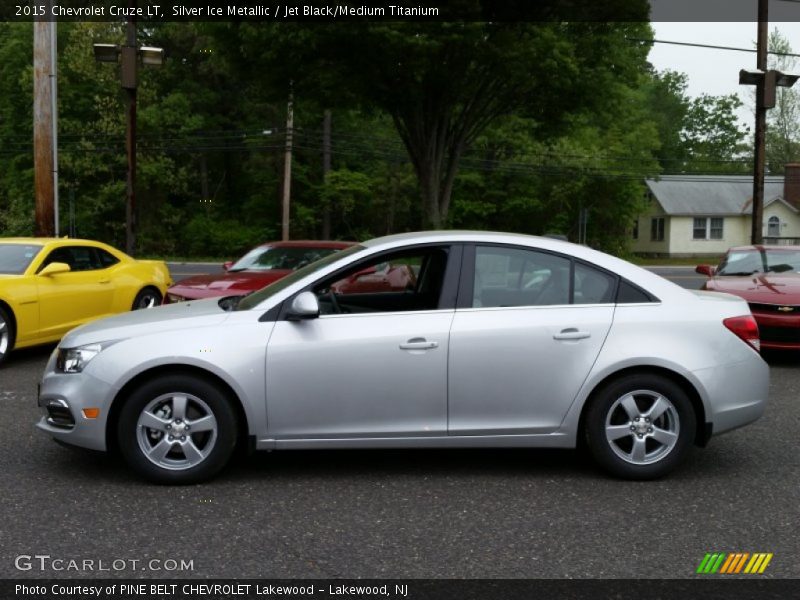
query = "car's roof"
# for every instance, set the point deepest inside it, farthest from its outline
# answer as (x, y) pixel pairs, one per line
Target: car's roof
(650, 281)
(309, 244)
(44, 240)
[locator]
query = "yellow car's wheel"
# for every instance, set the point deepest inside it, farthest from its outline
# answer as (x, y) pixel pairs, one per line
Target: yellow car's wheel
(6, 334)
(148, 298)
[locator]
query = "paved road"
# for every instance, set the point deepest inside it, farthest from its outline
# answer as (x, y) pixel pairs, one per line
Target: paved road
(461, 514)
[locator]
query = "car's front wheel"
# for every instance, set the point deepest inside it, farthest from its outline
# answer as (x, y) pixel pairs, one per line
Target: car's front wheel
(177, 429)
(6, 334)
(640, 426)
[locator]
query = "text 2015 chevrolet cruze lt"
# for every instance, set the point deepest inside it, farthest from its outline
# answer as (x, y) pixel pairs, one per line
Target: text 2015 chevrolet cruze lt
(497, 340)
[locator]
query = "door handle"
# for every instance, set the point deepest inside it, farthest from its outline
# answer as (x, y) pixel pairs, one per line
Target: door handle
(571, 334)
(104, 281)
(418, 344)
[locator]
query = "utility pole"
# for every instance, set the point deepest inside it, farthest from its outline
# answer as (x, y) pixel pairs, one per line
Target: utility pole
(287, 168)
(129, 83)
(44, 129)
(130, 56)
(757, 231)
(326, 167)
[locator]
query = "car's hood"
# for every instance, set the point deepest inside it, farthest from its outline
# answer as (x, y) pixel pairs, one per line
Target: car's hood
(230, 284)
(766, 288)
(198, 313)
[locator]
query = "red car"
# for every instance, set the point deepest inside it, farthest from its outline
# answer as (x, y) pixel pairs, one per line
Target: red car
(768, 278)
(255, 270)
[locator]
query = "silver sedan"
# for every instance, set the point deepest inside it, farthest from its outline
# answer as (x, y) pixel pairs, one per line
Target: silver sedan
(493, 340)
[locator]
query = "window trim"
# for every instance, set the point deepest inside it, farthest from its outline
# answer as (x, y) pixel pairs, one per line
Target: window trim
(447, 296)
(465, 288)
(707, 229)
(777, 223)
(654, 221)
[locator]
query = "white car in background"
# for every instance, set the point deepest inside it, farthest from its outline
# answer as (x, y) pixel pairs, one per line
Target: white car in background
(503, 340)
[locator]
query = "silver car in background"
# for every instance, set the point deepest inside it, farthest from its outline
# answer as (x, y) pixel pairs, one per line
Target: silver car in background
(498, 340)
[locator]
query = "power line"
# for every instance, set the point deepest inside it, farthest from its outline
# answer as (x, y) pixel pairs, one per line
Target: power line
(711, 46)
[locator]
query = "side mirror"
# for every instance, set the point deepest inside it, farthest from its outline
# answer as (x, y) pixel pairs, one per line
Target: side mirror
(706, 270)
(227, 265)
(304, 306)
(54, 268)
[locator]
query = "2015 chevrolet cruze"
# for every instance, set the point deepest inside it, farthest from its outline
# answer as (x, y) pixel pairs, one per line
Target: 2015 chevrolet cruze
(499, 340)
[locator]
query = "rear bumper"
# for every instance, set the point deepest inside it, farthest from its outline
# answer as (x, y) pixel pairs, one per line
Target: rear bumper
(737, 393)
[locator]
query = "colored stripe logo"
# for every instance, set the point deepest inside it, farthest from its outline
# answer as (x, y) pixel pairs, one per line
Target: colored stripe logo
(728, 563)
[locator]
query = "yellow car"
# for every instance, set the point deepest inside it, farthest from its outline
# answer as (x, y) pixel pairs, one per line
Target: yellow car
(48, 286)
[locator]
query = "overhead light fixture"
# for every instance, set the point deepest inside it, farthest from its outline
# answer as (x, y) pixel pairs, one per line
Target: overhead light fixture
(106, 53)
(151, 56)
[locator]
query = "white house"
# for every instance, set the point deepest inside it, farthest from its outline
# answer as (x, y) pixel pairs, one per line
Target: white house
(691, 215)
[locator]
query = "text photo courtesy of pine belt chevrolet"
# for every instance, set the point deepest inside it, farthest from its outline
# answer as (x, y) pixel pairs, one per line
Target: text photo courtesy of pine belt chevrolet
(768, 278)
(49, 286)
(503, 340)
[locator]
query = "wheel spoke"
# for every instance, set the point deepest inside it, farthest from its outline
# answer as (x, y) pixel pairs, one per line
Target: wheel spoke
(629, 404)
(615, 432)
(639, 449)
(664, 437)
(659, 407)
(207, 423)
(2, 325)
(151, 421)
(191, 452)
(160, 450)
(179, 407)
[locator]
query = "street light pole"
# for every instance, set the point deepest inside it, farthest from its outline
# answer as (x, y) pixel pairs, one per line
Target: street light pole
(757, 231)
(129, 64)
(130, 54)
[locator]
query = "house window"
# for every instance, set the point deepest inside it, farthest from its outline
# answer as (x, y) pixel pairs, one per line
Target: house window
(774, 227)
(636, 229)
(707, 228)
(657, 229)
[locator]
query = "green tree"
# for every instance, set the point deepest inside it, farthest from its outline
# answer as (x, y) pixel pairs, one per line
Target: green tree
(783, 121)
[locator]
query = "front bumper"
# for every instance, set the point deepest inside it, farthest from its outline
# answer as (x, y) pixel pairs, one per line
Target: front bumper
(778, 331)
(72, 393)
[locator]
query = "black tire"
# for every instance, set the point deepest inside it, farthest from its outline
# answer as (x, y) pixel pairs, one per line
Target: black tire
(149, 297)
(7, 334)
(161, 397)
(646, 448)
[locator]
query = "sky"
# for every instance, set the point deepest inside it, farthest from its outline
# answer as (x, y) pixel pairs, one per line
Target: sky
(710, 71)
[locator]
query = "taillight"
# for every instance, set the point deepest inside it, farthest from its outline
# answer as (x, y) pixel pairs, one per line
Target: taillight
(745, 328)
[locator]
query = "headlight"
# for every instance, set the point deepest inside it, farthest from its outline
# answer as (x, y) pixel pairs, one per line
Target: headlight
(74, 360)
(172, 298)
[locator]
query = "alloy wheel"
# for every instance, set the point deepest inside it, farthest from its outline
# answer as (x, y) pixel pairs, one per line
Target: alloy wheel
(642, 427)
(176, 431)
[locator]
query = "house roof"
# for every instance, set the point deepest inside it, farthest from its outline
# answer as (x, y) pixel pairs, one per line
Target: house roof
(710, 194)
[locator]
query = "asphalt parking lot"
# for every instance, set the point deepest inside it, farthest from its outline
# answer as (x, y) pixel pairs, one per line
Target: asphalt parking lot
(405, 514)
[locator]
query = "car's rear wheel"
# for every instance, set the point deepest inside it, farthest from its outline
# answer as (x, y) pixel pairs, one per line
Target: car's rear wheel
(177, 429)
(640, 426)
(147, 298)
(6, 334)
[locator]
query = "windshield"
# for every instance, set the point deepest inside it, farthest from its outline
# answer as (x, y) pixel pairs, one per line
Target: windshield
(15, 258)
(258, 297)
(747, 262)
(290, 258)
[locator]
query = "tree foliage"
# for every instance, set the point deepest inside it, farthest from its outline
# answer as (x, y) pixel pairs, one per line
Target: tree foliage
(511, 126)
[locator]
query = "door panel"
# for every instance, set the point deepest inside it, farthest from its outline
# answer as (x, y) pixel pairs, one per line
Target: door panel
(517, 370)
(67, 300)
(347, 376)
